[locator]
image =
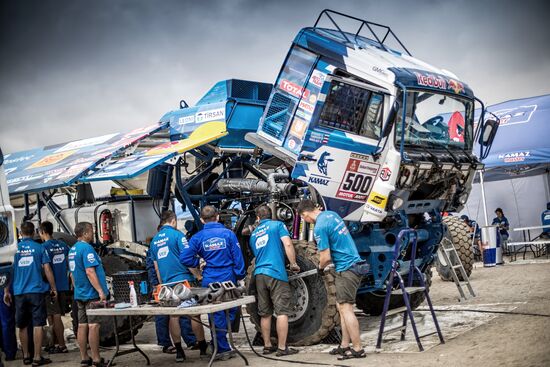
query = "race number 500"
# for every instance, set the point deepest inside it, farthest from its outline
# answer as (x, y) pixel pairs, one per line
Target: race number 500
(357, 181)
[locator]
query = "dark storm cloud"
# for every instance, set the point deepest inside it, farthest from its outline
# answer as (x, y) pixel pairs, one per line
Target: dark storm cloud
(74, 69)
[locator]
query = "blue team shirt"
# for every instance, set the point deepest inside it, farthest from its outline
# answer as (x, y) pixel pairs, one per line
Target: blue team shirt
(497, 221)
(58, 253)
(82, 256)
(545, 219)
(27, 268)
(219, 247)
(331, 232)
(267, 246)
(166, 248)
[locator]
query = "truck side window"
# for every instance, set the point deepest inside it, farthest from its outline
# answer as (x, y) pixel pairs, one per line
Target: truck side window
(372, 124)
(352, 109)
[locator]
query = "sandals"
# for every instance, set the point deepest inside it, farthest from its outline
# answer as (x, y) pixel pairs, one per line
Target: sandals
(40, 362)
(86, 362)
(27, 361)
(352, 354)
(339, 351)
(169, 349)
(286, 352)
(57, 349)
(269, 350)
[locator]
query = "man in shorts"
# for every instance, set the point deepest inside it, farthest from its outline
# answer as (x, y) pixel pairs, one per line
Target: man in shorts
(336, 245)
(269, 243)
(58, 253)
(30, 260)
(90, 286)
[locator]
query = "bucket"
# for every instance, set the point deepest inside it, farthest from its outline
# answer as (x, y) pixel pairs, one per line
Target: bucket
(489, 245)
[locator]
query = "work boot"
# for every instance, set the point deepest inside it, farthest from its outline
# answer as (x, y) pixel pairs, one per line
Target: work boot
(203, 347)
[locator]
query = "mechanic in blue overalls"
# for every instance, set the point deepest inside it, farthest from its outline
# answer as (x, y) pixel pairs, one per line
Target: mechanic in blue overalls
(545, 220)
(166, 247)
(219, 247)
(161, 321)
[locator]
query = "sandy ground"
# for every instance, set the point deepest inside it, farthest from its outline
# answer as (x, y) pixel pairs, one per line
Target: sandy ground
(472, 338)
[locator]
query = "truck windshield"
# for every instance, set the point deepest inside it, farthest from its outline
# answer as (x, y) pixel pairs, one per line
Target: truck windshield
(433, 120)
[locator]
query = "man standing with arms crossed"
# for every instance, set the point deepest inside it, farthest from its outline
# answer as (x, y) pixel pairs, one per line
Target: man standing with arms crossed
(335, 244)
(219, 247)
(166, 247)
(272, 288)
(29, 288)
(90, 286)
(58, 253)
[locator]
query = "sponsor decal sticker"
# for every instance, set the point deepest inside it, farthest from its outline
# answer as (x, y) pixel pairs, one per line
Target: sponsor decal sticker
(217, 114)
(317, 78)
(385, 174)
(303, 115)
(186, 120)
(322, 163)
(308, 107)
(294, 89)
(85, 142)
(298, 127)
(378, 200)
(51, 159)
(358, 178)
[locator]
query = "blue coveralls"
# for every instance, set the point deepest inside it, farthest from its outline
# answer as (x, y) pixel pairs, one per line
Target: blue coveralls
(219, 247)
(161, 322)
(8, 342)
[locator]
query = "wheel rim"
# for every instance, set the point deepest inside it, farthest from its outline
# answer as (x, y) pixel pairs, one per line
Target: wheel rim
(301, 298)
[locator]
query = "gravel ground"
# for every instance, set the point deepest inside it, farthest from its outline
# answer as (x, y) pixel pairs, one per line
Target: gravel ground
(472, 338)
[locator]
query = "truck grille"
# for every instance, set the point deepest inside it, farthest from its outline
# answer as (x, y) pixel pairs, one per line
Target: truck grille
(278, 116)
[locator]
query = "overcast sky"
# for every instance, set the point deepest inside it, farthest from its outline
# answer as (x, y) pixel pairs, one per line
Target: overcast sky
(74, 69)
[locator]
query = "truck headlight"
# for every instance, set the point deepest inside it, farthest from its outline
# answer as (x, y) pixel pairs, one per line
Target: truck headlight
(397, 203)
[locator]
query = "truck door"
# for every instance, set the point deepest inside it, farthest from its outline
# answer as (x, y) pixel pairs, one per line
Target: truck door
(336, 157)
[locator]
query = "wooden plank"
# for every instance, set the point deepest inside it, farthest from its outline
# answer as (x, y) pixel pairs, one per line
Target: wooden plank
(148, 310)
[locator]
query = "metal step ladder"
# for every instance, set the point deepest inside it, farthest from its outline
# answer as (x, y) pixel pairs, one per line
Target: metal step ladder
(406, 291)
(448, 251)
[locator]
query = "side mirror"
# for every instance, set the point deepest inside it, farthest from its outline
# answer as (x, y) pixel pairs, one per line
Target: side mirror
(390, 120)
(488, 132)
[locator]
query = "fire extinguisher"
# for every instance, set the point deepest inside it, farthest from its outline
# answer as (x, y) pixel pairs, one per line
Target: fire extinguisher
(106, 222)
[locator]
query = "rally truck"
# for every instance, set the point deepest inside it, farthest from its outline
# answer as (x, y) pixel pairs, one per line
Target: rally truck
(353, 121)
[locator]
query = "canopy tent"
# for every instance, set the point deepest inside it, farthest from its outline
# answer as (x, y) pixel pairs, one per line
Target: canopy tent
(517, 169)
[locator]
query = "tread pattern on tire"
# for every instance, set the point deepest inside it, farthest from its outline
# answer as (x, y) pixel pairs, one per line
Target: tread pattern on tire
(330, 316)
(460, 235)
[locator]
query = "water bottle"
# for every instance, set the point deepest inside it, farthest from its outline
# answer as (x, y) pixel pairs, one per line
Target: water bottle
(133, 295)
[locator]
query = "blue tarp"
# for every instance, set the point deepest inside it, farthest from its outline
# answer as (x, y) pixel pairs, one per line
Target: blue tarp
(521, 146)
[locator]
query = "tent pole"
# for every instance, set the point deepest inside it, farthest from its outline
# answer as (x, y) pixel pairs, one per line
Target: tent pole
(483, 199)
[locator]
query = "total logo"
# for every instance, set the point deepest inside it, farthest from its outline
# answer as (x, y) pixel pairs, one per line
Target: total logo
(293, 88)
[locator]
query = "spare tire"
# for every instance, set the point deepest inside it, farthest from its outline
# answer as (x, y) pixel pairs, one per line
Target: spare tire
(372, 303)
(459, 233)
(315, 301)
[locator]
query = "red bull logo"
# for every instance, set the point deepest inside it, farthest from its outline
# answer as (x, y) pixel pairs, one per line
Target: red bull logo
(456, 86)
(431, 81)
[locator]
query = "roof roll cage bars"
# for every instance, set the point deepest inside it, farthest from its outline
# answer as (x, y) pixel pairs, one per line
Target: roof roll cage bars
(364, 23)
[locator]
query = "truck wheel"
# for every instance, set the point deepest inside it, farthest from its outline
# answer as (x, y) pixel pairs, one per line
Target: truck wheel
(315, 299)
(458, 232)
(112, 264)
(372, 303)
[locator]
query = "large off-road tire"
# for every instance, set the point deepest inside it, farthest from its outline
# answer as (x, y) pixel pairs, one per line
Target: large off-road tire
(315, 299)
(112, 264)
(373, 303)
(459, 233)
